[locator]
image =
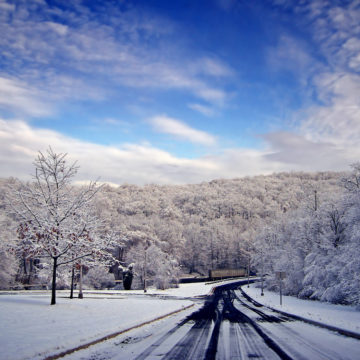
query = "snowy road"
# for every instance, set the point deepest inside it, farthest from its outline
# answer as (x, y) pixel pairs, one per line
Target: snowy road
(228, 326)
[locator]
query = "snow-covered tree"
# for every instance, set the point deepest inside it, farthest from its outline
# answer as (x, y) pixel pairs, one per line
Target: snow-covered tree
(317, 244)
(8, 261)
(150, 262)
(55, 218)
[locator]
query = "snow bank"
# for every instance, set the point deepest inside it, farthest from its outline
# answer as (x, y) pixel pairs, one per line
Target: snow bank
(344, 317)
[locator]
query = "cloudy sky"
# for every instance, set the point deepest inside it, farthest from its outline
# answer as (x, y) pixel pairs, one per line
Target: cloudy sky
(182, 91)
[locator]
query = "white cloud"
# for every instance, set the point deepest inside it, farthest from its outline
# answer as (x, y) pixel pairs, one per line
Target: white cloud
(132, 163)
(296, 152)
(167, 125)
(144, 164)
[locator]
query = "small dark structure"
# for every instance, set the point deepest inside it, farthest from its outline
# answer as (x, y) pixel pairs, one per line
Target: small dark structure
(127, 278)
(226, 273)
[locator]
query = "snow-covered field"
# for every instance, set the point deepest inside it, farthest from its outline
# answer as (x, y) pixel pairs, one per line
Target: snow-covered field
(344, 317)
(32, 329)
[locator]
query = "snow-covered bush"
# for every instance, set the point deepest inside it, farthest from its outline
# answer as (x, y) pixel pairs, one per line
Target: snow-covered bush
(8, 268)
(99, 278)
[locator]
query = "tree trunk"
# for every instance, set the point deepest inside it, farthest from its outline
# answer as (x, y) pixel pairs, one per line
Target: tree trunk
(145, 274)
(80, 283)
(72, 283)
(53, 288)
(24, 266)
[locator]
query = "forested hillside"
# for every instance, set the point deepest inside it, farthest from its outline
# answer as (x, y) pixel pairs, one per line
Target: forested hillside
(191, 228)
(210, 225)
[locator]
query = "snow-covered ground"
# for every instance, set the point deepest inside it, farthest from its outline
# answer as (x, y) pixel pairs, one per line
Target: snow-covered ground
(32, 329)
(344, 317)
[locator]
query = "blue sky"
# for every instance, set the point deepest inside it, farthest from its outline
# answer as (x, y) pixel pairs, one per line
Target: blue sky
(180, 91)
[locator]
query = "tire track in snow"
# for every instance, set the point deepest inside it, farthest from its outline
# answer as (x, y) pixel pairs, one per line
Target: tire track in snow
(284, 329)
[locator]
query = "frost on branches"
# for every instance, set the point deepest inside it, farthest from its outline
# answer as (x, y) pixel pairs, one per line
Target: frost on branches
(56, 219)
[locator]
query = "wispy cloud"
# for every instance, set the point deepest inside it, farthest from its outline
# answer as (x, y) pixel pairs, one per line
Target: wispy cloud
(290, 54)
(226, 5)
(213, 67)
(113, 122)
(337, 121)
(59, 29)
(203, 109)
(328, 132)
(6, 6)
(19, 98)
(119, 49)
(162, 76)
(179, 129)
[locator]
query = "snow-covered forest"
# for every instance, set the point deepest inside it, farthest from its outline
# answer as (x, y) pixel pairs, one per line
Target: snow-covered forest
(317, 245)
(304, 224)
